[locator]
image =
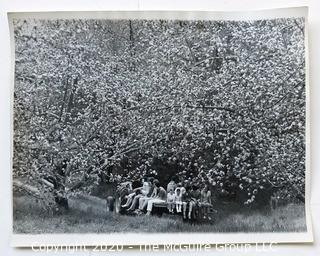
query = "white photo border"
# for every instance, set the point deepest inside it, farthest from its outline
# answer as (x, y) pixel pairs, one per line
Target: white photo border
(129, 239)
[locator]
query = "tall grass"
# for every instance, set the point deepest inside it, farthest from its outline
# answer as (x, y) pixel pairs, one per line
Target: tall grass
(84, 217)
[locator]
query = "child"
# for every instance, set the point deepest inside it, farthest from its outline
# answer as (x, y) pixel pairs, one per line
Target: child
(178, 200)
(186, 198)
(171, 199)
(171, 185)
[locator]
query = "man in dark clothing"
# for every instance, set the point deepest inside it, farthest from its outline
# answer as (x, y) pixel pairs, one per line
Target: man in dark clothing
(190, 199)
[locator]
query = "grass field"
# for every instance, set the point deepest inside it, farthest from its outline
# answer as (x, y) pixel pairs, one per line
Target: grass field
(84, 217)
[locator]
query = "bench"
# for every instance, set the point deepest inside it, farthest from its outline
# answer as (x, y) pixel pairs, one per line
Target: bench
(160, 205)
(160, 208)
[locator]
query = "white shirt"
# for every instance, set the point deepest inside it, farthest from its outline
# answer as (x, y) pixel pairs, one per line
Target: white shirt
(145, 188)
(171, 198)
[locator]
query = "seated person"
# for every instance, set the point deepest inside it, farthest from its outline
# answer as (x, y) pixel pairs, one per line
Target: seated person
(190, 199)
(171, 185)
(178, 200)
(136, 191)
(124, 189)
(171, 201)
(143, 201)
(186, 197)
(184, 186)
(195, 199)
(181, 187)
(160, 198)
(146, 190)
(205, 201)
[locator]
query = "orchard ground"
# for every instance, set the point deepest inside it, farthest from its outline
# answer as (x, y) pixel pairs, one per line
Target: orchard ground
(28, 217)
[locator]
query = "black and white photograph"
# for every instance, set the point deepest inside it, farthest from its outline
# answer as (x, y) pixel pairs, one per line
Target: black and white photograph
(126, 124)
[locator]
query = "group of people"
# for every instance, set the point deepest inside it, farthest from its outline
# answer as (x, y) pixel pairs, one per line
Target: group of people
(179, 197)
